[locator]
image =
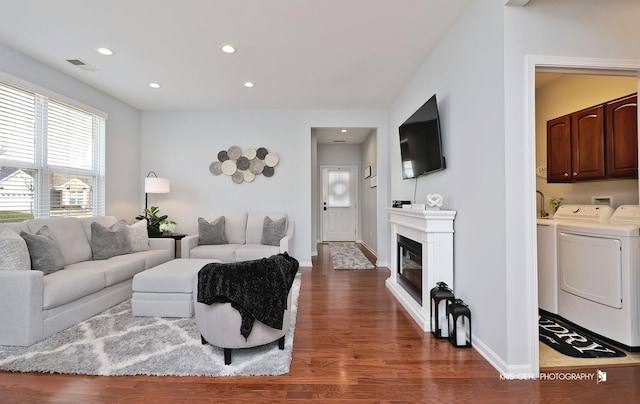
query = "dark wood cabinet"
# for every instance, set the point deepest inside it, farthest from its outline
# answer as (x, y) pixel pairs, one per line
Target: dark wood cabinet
(622, 137)
(559, 149)
(587, 144)
(600, 142)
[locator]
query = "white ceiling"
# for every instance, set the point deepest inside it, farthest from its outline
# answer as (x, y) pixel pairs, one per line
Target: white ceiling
(301, 54)
(335, 135)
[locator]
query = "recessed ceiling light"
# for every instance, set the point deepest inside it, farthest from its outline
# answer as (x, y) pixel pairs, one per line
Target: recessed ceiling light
(154, 85)
(343, 131)
(105, 51)
(249, 84)
(228, 49)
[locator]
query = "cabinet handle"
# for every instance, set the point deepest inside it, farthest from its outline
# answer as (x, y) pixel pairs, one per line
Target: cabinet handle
(575, 173)
(566, 174)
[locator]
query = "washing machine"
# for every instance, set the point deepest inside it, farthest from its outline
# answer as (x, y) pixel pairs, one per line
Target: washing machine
(598, 270)
(547, 234)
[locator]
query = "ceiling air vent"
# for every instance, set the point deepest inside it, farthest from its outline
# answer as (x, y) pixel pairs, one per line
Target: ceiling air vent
(339, 141)
(82, 65)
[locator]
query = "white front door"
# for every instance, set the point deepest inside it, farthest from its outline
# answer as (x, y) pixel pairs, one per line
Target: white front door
(339, 203)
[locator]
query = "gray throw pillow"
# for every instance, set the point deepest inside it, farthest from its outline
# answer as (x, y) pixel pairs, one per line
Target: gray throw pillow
(273, 231)
(44, 250)
(14, 253)
(211, 233)
(109, 242)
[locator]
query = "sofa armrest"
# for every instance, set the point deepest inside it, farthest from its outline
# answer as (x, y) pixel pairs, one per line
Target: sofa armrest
(168, 244)
(187, 244)
(286, 243)
(21, 307)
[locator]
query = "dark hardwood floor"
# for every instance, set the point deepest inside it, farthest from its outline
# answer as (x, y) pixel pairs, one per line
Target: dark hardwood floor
(353, 343)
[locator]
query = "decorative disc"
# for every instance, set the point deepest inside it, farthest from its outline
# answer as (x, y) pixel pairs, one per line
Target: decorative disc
(271, 159)
(234, 152)
(256, 166)
(268, 171)
(243, 163)
(229, 167)
(215, 168)
(249, 176)
(237, 177)
(223, 156)
(261, 153)
(250, 153)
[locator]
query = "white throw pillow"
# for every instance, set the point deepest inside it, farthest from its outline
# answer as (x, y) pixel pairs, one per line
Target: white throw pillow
(14, 253)
(138, 236)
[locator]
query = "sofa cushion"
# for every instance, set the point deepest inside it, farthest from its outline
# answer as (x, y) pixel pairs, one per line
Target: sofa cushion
(113, 270)
(70, 235)
(211, 233)
(255, 224)
(44, 250)
(109, 242)
(67, 286)
(222, 252)
(235, 226)
(153, 258)
(273, 231)
(250, 252)
(138, 236)
(14, 254)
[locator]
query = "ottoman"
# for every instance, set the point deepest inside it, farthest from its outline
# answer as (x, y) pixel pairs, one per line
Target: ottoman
(166, 290)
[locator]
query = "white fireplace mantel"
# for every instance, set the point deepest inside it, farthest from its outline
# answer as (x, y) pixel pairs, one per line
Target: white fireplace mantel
(434, 230)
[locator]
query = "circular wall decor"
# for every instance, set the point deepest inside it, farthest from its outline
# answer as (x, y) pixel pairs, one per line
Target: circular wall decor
(244, 166)
(229, 167)
(243, 163)
(261, 153)
(234, 152)
(215, 168)
(271, 159)
(223, 156)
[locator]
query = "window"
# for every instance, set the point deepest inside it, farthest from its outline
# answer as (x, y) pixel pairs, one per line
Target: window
(51, 157)
(339, 185)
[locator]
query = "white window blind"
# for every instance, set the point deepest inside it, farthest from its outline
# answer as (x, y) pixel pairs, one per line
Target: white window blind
(339, 185)
(51, 157)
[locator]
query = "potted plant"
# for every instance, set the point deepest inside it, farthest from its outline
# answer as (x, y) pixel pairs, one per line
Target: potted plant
(167, 227)
(153, 218)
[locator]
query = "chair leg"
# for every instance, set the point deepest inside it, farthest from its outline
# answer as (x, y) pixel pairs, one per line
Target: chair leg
(281, 343)
(227, 356)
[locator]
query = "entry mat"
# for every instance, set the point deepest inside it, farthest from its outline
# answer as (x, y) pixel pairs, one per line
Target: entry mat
(571, 341)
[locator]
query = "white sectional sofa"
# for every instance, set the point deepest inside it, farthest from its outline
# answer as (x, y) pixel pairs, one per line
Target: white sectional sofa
(244, 235)
(34, 305)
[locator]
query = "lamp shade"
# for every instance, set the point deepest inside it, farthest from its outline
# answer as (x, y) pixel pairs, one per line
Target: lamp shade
(154, 185)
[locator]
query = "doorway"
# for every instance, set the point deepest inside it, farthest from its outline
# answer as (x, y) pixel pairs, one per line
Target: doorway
(339, 203)
(538, 64)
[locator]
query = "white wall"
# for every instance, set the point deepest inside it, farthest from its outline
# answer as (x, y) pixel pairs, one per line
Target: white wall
(123, 185)
(465, 72)
(576, 28)
(369, 203)
(181, 145)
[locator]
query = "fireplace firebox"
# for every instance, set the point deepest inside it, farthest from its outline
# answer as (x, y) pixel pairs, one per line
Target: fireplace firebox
(410, 267)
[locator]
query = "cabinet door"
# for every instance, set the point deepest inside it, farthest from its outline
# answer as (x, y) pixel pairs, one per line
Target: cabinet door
(587, 141)
(559, 149)
(622, 137)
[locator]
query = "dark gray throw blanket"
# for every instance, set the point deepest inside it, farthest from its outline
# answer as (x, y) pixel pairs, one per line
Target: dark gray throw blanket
(258, 289)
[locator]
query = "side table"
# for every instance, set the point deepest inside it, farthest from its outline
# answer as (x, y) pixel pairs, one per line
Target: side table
(176, 237)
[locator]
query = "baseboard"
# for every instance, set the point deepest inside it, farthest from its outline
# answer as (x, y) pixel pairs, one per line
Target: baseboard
(368, 248)
(507, 372)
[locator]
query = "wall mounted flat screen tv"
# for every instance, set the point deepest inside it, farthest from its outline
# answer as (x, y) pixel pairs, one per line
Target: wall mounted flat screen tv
(421, 142)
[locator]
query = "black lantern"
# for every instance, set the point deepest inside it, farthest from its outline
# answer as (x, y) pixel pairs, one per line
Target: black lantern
(459, 317)
(441, 297)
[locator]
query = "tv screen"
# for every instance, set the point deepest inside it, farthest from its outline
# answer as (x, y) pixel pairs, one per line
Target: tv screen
(421, 142)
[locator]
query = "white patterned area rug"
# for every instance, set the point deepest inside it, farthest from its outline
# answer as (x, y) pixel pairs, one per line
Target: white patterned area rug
(348, 256)
(116, 343)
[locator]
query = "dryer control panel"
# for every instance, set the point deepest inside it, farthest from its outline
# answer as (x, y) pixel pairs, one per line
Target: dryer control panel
(594, 213)
(626, 214)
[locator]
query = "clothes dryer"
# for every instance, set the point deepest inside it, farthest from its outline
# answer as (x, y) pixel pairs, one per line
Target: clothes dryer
(598, 271)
